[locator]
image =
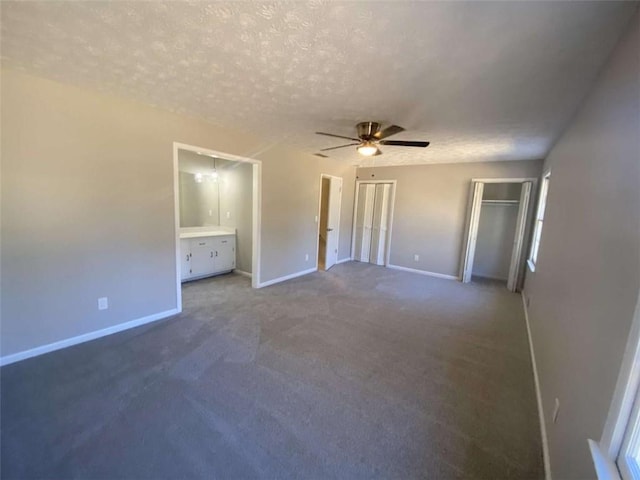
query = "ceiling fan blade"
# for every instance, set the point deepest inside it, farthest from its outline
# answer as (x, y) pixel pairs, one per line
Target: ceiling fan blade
(404, 143)
(341, 146)
(387, 132)
(338, 136)
(379, 152)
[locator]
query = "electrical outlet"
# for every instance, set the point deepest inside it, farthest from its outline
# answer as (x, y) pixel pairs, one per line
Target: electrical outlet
(416, 258)
(556, 409)
(228, 214)
(316, 218)
(103, 303)
(306, 257)
(210, 213)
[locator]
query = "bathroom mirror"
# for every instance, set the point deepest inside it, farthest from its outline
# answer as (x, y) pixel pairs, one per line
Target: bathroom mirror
(199, 190)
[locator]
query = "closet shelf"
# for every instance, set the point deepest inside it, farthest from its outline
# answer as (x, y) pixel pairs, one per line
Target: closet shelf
(501, 202)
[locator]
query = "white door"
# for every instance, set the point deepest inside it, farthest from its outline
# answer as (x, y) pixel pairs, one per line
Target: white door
(518, 240)
(364, 221)
(379, 225)
(185, 259)
(333, 222)
(474, 220)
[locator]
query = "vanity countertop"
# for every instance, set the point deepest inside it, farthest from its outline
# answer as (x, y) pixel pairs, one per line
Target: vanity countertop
(199, 232)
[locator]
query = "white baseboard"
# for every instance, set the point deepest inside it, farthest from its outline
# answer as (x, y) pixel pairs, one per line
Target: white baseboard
(243, 273)
(423, 272)
(68, 342)
(348, 259)
(287, 277)
(536, 379)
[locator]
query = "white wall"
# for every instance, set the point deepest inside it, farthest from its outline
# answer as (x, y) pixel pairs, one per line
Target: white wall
(236, 208)
(501, 191)
(583, 292)
(494, 246)
(88, 210)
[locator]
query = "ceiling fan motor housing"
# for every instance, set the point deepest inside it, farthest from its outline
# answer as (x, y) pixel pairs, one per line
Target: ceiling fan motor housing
(367, 130)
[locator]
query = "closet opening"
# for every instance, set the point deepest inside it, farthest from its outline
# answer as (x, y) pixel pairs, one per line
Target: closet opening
(329, 221)
(372, 221)
(496, 231)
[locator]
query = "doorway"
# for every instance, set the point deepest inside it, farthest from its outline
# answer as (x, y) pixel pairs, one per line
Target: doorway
(372, 221)
(217, 209)
(498, 219)
(329, 221)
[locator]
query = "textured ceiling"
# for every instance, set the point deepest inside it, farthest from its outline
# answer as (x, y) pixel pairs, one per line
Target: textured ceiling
(480, 80)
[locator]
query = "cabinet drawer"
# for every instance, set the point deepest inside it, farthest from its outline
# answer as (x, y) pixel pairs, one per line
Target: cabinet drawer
(203, 242)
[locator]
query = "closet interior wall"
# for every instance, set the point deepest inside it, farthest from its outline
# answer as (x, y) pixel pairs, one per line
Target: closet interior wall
(496, 230)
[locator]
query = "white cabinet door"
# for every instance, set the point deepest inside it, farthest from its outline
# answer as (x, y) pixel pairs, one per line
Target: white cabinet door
(185, 259)
(202, 256)
(225, 257)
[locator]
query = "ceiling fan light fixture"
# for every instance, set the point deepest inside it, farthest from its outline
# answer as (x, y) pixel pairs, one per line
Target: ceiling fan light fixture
(369, 137)
(367, 149)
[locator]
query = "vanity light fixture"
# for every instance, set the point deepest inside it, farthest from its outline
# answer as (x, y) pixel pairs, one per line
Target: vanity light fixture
(210, 177)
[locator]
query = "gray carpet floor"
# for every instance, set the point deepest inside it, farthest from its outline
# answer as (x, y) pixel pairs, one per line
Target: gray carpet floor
(358, 372)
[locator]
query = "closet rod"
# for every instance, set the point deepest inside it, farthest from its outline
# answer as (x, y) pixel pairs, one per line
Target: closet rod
(501, 202)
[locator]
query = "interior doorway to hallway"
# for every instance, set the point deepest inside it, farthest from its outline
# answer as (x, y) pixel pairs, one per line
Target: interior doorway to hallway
(329, 221)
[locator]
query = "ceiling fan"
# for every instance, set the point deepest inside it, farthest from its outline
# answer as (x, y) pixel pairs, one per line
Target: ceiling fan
(370, 136)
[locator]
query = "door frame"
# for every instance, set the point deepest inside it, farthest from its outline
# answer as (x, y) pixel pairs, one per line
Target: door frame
(326, 175)
(256, 220)
(392, 200)
(518, 241)
(473, 220)
(468, 253)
